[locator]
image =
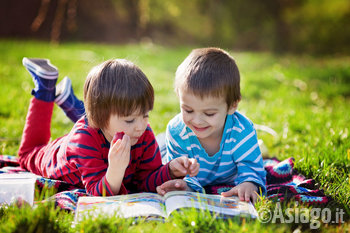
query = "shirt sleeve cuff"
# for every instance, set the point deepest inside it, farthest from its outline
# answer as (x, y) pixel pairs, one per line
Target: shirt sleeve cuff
(122, 190)
(106, 189)
(167, 172)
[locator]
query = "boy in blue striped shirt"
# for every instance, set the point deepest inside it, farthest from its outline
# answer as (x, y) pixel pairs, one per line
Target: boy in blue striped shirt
(211, 130)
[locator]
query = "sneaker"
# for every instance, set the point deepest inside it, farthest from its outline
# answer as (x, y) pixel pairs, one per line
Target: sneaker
(65, 98)
(44, 76)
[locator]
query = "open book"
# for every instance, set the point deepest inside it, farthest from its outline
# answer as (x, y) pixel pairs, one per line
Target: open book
(154, 206)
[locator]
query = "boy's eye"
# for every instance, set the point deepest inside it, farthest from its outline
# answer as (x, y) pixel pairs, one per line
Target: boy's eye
(146, 116)
(209, 114)
(130, 121)
(188, 111)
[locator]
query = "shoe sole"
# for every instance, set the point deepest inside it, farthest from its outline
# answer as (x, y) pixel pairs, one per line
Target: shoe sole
(41, 67)
(66, 85)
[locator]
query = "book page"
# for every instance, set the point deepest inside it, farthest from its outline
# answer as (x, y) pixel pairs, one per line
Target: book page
(126, 206)
(224, 206)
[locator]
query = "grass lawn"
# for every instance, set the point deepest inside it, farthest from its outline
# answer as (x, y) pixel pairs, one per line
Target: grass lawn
(306, 100)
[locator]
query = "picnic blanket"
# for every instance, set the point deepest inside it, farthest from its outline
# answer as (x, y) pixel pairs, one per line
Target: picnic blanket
(283, 183)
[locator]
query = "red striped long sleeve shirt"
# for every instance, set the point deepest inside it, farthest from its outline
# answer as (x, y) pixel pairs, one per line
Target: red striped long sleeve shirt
(81, 158)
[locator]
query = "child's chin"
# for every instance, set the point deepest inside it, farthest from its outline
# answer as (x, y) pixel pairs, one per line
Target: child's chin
(133, 142)
(200, 134)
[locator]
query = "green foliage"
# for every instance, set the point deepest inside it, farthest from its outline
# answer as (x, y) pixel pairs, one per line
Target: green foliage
(43, 218)
(318, 26)
(191, 220)
(104, 224)
(280, 26)
(312, 26)
(304, 99)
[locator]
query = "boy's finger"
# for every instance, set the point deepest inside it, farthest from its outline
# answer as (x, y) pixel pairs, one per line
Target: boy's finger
(122, 143)
(247, 196)
(194, 171)
(116, 142)
(231, 192)
(116, 145)
(172, 185)
(180, 168)
(166, 185)
(126, 143)
(241, 194)
(126, 139)
(193, 161)
(193, 164)
(186, 162)
(160, 191)
(195, 167)
(179, 185)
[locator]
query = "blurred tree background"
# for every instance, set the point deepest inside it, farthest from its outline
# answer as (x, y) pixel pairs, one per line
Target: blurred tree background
(293, 26)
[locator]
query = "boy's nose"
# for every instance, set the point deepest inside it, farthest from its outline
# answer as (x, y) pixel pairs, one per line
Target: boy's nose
(197, 119)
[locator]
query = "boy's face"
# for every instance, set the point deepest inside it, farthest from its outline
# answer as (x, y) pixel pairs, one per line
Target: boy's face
(133, 125)
(205, 117)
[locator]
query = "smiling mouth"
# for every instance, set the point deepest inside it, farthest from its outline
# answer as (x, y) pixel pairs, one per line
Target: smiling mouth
(200, 128)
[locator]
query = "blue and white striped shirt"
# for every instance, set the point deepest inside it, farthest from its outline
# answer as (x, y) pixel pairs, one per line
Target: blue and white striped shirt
(238, 160)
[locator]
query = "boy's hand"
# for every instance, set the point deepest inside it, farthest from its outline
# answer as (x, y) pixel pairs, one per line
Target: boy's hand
(172, 185)
(246, 191)
(119, 153)
(118, 161)
(182, 166)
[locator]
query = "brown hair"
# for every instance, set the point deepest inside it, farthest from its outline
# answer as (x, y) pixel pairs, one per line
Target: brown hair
(116, 87)
(209, 72)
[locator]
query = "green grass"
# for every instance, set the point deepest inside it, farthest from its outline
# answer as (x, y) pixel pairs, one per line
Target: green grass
(306, 100)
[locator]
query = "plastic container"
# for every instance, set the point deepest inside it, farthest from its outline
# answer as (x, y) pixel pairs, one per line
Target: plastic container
(17, 188)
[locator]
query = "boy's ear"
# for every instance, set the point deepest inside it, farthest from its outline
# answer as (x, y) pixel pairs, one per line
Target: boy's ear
(233, 108)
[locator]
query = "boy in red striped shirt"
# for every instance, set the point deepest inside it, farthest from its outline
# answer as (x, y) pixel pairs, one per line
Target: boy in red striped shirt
(118, 97)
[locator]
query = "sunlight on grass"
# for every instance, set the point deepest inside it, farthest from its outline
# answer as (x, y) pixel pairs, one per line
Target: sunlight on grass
(305, 100)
